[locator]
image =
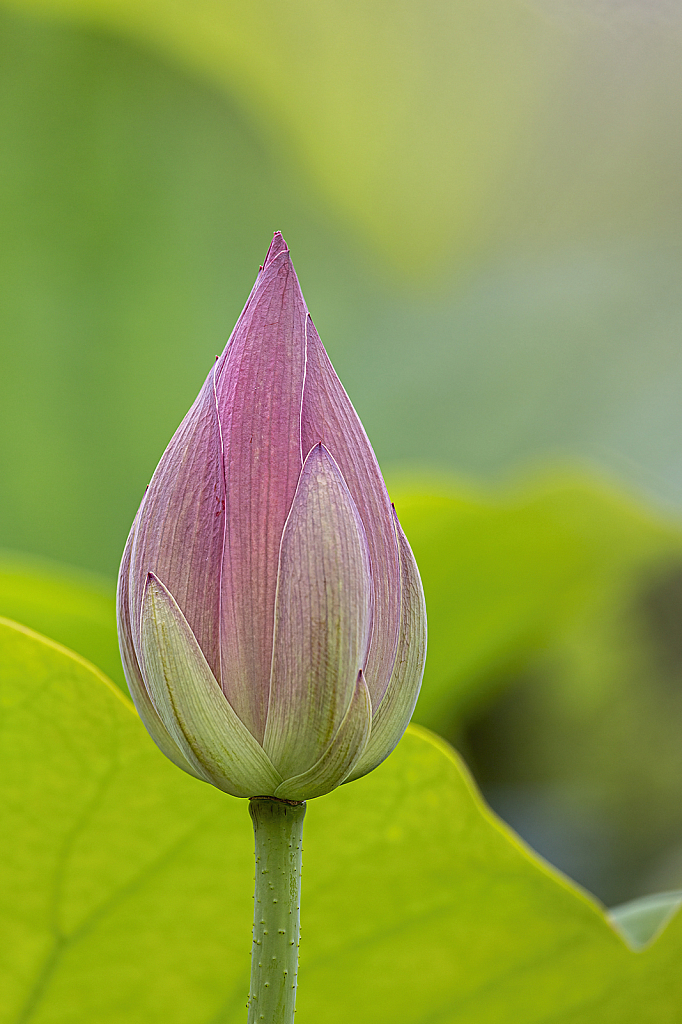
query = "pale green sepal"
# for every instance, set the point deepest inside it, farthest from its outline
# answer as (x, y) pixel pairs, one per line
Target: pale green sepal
(641, 920)
(323, 609)
(164, 740)
(391, 717)
(191, 704)
(131, 668)
(341, 754)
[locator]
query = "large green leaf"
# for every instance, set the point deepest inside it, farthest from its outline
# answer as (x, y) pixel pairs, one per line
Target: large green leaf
(126, 886)
(75, 608)
(442, 122)
(510, 573)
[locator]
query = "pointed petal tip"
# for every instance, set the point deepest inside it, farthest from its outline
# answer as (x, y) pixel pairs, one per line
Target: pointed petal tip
(277, 246)
(152, 581)
(320, 452)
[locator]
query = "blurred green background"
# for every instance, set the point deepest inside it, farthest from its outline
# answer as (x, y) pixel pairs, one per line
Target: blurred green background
(482, 200)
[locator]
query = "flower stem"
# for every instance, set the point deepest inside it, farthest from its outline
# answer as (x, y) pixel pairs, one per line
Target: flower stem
(278, 829)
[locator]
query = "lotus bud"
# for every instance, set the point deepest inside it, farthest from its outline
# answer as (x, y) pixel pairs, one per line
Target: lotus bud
(270, 612)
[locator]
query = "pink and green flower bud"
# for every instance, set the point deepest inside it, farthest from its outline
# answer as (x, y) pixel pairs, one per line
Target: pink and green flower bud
(271, 616)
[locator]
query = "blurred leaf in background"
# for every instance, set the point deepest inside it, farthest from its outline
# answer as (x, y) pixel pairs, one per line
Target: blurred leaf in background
(439, 127)
(554, 663)
(524, 158)
(510, 573)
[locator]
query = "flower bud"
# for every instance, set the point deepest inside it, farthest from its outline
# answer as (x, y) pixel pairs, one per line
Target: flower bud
(271, 617)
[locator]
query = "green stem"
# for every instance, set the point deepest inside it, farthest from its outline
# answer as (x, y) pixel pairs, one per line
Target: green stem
(278, 828)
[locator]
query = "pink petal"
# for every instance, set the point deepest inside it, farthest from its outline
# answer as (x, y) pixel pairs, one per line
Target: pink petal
(328, 416)
(179, 535)
(259, 383)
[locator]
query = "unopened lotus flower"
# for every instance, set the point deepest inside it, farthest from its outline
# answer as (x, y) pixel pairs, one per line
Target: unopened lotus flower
(271, 617)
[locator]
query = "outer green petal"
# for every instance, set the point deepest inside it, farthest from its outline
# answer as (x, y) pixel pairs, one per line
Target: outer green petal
(322, 618)
(191, 704)
(341, 754)
(138, 691)
(391, 717)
